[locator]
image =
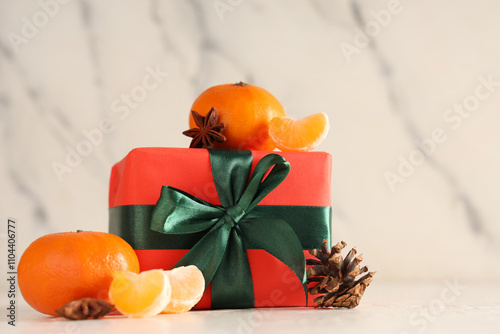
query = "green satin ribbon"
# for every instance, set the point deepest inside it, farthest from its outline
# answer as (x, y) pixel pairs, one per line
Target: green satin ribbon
(233, 227)
(311, 224)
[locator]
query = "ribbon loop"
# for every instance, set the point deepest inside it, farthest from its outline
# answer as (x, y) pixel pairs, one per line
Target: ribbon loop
(259, 187)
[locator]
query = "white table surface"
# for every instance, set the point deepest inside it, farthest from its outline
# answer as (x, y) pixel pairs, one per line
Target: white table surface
(386, 308)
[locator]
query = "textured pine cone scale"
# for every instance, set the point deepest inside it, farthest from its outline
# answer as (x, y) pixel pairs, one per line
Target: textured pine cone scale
(339, 281)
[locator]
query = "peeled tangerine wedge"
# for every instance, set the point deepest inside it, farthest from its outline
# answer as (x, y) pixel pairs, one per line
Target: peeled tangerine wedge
(140, 295)
(188, 286)
(299, 135)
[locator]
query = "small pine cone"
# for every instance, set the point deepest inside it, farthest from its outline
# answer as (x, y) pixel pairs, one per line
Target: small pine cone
(340, 282)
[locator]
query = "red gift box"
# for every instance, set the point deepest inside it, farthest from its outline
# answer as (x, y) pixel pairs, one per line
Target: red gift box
(136, 184)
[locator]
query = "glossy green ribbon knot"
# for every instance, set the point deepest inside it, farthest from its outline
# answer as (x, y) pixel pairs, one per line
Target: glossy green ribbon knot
(232, 227)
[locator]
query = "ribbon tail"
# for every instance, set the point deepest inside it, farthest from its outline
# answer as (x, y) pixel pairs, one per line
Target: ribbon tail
(234, 275)
(208, 253)
(262, 231)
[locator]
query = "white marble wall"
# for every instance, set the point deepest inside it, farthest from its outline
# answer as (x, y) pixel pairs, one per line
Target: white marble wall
(70, 72)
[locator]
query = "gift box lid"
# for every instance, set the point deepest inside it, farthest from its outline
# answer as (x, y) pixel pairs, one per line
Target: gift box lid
(137, 179)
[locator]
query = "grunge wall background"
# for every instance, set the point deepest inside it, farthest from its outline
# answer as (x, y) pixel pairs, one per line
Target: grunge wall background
(412, 89)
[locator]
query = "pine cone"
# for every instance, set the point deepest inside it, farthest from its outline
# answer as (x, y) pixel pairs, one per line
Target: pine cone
(340, 281)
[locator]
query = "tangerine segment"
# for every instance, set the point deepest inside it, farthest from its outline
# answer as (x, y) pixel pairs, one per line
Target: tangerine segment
(140, 295)
(299, 135)
(188, 285)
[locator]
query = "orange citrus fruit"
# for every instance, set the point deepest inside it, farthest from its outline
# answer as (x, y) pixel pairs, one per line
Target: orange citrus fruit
(61, 267)
(188, 285)
(246, 110)
(299, 135)
(140, 295)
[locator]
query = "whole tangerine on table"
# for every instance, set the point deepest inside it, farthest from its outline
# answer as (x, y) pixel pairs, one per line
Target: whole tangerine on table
(246, 110)
(61, 267)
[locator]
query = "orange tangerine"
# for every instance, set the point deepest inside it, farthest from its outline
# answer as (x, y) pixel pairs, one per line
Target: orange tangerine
(299, 135)
(58, 268)
(140, 295)
(246, 111)
(188, 285)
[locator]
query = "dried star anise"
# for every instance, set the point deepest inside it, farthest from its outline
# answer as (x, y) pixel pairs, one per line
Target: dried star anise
(85, 308)
(208, 130)
(340, 281)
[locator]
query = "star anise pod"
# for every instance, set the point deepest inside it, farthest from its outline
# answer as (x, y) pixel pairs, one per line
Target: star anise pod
(209, 130)
(340, 281)
(85, 308)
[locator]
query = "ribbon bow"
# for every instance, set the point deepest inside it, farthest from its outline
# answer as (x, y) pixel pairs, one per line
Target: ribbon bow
(233, 227)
